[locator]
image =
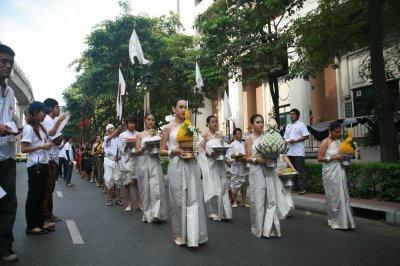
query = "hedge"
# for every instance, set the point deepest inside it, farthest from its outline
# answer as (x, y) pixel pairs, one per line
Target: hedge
(366, 180)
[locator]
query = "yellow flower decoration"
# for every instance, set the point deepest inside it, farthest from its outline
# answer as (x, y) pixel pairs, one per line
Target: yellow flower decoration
(348, 145)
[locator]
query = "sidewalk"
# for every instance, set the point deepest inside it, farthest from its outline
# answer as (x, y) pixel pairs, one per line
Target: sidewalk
(316, 203)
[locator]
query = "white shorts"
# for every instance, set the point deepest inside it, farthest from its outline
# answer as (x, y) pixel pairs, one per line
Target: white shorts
(109, 176)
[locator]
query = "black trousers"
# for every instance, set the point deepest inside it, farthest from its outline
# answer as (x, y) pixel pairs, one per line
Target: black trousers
(301, 181)
(37, 181)
(8, 204)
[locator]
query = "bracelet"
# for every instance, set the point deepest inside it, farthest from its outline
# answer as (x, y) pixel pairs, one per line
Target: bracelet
(41, 146)
(169, 152)
(254, 160)
(328, 159)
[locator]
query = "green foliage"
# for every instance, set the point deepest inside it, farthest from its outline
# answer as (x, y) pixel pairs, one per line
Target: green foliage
(172, 67)
(372, 180)
(164, 164)
(247, 40)
(335, 28)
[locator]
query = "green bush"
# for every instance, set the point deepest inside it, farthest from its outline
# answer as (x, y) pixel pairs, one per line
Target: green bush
(366, 180)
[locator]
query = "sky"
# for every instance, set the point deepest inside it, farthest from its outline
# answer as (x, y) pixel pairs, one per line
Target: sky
(47, 35)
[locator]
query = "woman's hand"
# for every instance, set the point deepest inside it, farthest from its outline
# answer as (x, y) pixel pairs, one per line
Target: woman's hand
(46, 146)
(339, 157)
(178, 151)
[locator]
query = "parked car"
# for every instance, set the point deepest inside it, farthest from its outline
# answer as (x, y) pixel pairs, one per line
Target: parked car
(21, 157)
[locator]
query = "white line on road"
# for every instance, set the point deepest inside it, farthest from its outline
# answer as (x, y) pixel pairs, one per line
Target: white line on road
(60, 194)
(74, 232)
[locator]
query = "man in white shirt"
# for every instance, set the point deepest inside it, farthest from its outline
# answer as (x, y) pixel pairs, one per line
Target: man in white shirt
(295, 135)
(69, 157)
(111, 157)
(55, 136)
(8, 203)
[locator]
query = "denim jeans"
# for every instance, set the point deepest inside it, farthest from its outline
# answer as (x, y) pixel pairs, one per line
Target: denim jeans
(8, 204)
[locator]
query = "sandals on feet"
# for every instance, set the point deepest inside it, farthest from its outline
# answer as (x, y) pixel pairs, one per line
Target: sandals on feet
(119, 203)
(109, 203)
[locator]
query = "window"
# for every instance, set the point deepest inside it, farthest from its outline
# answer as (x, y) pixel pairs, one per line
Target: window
(348, 109)
(364, 103)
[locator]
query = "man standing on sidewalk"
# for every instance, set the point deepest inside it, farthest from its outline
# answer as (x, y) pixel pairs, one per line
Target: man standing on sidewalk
(295, 135)
(8, 202)
(55, 137)
(69, 156)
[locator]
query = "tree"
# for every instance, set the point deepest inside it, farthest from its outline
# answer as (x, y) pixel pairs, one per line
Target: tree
(173, 63)
(248, 39)
(337, 27)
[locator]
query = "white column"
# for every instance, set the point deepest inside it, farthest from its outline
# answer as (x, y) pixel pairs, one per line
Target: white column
(236, 101)
(300, 98)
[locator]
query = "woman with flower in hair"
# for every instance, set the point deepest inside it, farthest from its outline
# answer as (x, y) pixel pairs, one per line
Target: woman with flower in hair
(218, 203)
(150, 176)
(334, 180)
(35, 142)
(185, 187)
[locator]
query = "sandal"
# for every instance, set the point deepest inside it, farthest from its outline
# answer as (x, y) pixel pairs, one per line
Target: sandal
(109, 203)
(119, 203)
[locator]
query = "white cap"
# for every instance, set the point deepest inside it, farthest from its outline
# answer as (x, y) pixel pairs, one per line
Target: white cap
(109, 126)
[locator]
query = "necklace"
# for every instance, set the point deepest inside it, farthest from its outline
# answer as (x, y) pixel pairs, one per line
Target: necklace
(212, 135)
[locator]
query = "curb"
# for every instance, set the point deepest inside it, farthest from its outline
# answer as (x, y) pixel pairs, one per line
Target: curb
(392, 215)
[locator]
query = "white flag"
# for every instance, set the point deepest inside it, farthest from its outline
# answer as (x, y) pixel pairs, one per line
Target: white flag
(199, 79)
(135, 49)
(227, 108)
(121, 82)
(121, 91)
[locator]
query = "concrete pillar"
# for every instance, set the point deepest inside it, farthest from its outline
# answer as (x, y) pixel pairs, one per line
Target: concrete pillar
(300, 98)
(236, 101)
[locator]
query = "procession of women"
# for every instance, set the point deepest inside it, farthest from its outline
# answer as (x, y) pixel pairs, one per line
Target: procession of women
(205, 174)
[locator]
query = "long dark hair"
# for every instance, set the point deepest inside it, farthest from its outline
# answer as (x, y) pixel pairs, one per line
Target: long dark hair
(36, 125)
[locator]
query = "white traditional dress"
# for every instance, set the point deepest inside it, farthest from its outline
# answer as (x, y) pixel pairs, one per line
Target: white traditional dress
(267, 204)
(337, 196)
(150, 179)
(219, 206)
(186, 196)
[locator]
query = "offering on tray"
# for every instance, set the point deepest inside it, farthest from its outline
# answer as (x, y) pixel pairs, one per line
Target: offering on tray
(271, 144)
(187, 137)
(221, 150)
(348, 148)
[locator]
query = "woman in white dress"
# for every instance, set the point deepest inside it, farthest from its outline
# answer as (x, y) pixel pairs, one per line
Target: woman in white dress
(334, 179)
(219, 206)
(150, 176)
(266, 201)
(185, 187)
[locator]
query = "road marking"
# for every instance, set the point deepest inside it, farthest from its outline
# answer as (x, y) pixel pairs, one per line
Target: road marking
(74, 232)
(60, 194)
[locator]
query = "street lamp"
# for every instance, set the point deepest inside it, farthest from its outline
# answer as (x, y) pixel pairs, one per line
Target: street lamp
(148, 81)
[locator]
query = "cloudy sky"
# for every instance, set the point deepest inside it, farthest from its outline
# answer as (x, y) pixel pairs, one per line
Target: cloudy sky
(47, 35)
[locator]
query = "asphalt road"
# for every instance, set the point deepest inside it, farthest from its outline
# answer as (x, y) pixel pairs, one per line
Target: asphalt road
(113, 237)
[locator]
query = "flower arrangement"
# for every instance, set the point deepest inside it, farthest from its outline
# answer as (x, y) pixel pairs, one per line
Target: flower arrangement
(272, 144)
(151, 132)
(188, 135)
(348, 145)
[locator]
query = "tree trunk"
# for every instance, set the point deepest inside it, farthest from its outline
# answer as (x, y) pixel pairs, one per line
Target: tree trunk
(273, 88)
(383, 107)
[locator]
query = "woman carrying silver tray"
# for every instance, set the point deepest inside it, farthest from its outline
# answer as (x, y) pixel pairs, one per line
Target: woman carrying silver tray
(219, 206)
(150, 175)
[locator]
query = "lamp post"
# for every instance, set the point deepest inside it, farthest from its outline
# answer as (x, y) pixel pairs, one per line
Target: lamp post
(148, 81)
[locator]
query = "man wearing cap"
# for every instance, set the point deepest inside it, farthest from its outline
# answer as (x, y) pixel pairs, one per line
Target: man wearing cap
(55, 136)
(111, 156)
(8, 203)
